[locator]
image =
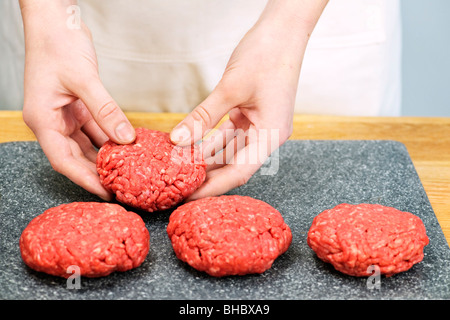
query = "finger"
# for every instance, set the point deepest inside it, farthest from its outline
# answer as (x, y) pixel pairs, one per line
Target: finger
(218, 154)
(228, 153)
(95, 133)
(228, 177)
(203, 118)
(218, 139)
(81, 113)
(82, 147)
(61, 155)
(239, 119)
(105, 111)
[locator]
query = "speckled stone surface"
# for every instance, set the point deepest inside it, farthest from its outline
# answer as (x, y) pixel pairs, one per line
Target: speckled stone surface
(312, 176)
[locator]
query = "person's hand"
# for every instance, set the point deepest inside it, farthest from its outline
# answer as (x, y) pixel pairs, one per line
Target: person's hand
(65, 103)
(257, 91)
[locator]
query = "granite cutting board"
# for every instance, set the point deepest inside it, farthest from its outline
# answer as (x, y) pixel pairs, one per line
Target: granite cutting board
(311, 176)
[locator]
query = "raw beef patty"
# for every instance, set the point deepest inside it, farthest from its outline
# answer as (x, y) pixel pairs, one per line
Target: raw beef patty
(355, 237)
(151, 173)
(99, 238)
(228, 235)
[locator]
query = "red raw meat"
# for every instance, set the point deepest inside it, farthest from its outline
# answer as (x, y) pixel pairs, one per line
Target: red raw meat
(99, 238)
(228, 235)
(354, 237)
(151, 173)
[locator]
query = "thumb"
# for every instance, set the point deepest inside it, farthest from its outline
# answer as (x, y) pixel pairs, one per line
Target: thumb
(106, 113)
(204, 117)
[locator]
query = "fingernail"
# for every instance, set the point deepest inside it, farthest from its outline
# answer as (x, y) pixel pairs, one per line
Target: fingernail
(181, 134)
(125, 132)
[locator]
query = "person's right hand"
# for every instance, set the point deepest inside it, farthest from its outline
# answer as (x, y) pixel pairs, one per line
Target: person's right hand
(65, 103)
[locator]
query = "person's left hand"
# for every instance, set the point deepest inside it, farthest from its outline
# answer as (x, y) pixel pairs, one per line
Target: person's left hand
(257, 91)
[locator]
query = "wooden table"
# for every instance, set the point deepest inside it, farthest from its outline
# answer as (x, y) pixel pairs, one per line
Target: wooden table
(427, 140)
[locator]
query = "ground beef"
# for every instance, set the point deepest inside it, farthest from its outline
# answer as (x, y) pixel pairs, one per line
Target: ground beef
(151, 173)
(228, 235)
(354, 237)
(99, 238)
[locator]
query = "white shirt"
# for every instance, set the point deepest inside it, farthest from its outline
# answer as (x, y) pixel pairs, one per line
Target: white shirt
(168, 55)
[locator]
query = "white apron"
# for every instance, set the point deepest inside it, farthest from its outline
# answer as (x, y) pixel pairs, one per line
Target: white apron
(167, 56)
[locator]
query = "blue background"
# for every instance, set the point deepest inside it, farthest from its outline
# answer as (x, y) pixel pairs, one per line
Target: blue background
(426, 58)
